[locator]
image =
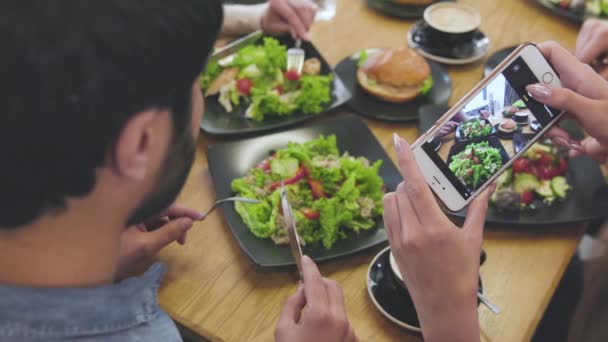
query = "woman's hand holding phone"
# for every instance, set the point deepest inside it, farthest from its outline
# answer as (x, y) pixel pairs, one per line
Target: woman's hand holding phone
(438, 260)
(584, 96)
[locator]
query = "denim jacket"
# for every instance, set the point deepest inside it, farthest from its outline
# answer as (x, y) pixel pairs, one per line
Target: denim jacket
(126, 311)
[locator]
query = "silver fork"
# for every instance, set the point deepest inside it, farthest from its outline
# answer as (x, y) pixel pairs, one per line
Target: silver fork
(485, 301)
(296, 57)
(230, 199)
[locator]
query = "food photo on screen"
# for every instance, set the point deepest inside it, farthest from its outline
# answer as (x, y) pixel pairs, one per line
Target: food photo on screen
(489, 130)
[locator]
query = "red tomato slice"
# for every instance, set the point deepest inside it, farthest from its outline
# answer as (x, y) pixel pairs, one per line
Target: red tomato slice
(292, 75)
(527, 197)
(521, 165)
(310, 214)
(317, 188)
(244, 86)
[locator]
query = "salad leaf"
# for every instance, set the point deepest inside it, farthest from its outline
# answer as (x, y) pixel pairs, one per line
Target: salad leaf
(427, 85)
(212, 71)
(476, 164)
(352, 193)
(269, 102)
(315, 92)
(268, 57)
(363, 55)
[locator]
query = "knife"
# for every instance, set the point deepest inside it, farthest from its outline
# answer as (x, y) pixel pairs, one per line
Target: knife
(236, 45)
(292, 233)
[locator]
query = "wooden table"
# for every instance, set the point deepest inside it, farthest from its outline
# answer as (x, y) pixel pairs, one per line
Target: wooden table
(212, 287)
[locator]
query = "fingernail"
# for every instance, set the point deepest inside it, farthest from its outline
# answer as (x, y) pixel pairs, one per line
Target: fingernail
(397, 142)
(563, 142)
(493, 187)
(539, 91)
(187, 223)
(576, 145)
(571, 144)
(306, 36)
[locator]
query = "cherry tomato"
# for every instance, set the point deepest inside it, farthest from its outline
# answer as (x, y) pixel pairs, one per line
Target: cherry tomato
(310, 214)
(521, 165)
(292, 75)
(317, 188)
(544, 158)
(527, 197)
(244, 86)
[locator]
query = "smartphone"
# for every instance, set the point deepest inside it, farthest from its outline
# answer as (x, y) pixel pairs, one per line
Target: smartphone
(473, 143)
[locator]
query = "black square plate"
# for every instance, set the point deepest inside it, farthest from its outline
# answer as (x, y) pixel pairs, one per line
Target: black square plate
(217, 121)
(587, 200)
(231, 160)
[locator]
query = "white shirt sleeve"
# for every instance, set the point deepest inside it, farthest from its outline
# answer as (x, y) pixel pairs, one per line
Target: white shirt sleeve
(242, 19)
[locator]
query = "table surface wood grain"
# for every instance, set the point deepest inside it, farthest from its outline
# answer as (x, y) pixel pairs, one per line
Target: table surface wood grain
(212, 287)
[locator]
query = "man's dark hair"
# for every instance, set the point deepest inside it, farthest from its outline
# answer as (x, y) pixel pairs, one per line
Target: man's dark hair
(73, 72)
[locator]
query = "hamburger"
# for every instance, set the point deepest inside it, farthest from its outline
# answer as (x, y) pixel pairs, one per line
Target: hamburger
(395, 75)
(507, 126)
(510, 111)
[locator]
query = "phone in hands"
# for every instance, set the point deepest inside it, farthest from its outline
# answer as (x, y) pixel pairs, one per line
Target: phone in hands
(466, 150)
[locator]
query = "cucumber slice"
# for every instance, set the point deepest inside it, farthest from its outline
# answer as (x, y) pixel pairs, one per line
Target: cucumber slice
(525, 182)
(544, 189)
(560, 186)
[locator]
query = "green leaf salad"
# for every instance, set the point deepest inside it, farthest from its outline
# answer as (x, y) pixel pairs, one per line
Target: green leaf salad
(475, 128)
(476, 164)
(331, 194)
(257, 76)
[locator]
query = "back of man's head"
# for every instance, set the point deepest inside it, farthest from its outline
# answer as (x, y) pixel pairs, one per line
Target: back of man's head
(72, 73)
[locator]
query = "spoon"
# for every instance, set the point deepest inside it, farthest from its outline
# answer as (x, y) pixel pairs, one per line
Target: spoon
(230, 199)
(295, 57)
(485, 301)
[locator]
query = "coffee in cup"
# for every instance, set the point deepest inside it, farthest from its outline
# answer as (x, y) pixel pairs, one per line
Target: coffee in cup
(450, 26)
(452, 18)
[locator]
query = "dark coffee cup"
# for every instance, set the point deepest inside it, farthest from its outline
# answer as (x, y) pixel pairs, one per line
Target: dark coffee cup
(451, 24)
(522, 117)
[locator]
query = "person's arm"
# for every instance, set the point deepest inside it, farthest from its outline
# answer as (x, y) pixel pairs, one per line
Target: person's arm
(242, 19)
(439, 261)
(274, 17)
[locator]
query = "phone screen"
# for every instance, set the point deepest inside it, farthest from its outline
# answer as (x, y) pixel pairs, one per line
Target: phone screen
(482, 136)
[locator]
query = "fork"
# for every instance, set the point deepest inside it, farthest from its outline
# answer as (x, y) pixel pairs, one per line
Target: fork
(230, 199)
(295, 57)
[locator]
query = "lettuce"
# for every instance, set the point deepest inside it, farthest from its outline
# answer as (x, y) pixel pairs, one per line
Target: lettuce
(260, 218)
(427, 85)
(363, 55)
(315, 92)
(268, 57)
(352, 186)
(212, 70)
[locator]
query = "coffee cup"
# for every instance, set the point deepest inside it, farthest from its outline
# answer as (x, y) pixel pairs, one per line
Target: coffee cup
(522, 117)
(451, 23)
(398, 278)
